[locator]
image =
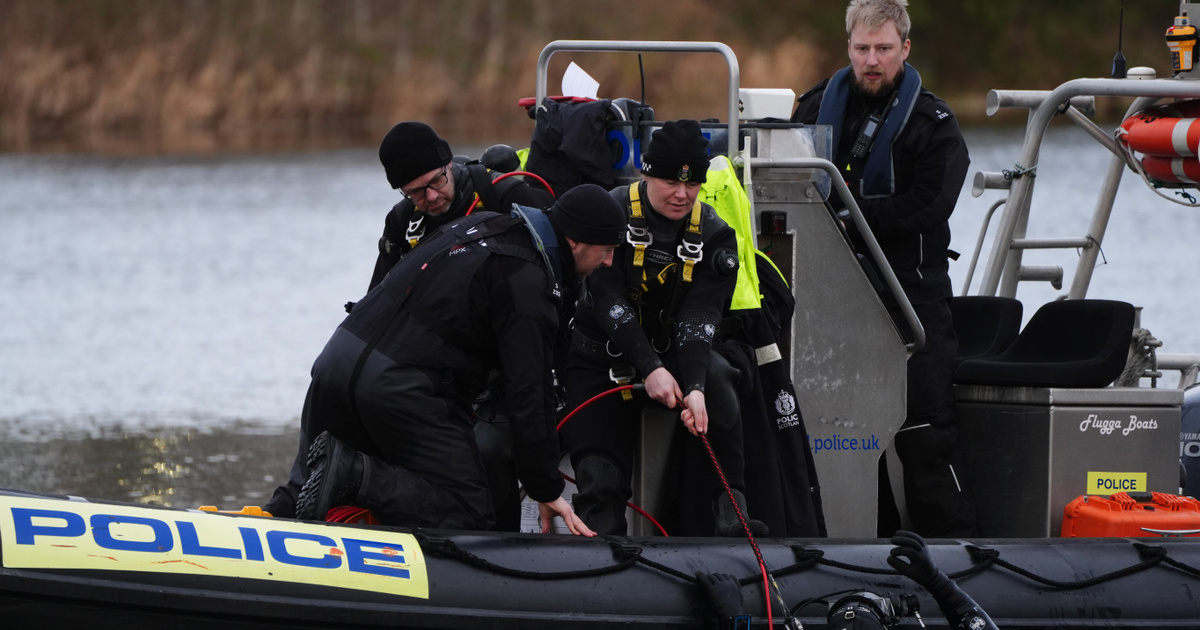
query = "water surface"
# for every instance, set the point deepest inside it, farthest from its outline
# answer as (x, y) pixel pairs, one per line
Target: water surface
(158, 317)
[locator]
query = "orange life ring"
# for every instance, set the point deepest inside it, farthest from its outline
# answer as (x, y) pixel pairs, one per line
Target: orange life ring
(1168, 130)
(1172, 169)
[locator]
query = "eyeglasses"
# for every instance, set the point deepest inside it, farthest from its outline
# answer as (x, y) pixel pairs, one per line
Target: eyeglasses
(437, 183)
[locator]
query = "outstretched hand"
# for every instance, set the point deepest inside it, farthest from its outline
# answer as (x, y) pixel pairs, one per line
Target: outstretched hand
(911, 558)
(560, 507)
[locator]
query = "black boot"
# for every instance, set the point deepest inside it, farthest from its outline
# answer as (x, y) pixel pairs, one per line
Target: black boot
(728, 524)
(334, 478)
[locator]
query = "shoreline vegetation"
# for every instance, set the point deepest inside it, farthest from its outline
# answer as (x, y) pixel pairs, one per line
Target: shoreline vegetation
(233, 76)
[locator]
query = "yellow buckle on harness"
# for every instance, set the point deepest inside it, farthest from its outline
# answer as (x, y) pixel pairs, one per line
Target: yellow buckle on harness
(622, 378)
(638, 236)
(691, 252)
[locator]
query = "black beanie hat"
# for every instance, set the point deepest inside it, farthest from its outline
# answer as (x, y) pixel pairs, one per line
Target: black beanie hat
(677, 151)
(410, 150)
(589, 214)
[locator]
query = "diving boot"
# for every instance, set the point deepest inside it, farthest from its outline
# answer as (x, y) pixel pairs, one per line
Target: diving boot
(728, 524)
(334, 478)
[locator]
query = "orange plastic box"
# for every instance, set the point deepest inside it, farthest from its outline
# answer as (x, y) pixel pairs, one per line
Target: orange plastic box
(1131, 515)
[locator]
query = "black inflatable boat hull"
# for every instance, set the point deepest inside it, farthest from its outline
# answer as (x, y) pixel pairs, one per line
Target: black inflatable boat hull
(72, 561)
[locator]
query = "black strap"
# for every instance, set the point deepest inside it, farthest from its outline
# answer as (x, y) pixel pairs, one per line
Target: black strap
(484, 188)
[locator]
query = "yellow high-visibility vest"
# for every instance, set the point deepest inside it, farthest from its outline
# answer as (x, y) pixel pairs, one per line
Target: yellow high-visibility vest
(725, 194)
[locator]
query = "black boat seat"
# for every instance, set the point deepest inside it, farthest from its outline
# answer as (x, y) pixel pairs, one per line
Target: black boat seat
(1068, 343)
(985, 325)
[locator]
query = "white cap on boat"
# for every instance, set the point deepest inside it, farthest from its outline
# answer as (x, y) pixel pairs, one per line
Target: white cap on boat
(1140, 72)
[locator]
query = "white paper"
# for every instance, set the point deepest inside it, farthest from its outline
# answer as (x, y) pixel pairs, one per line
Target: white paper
(576, 82)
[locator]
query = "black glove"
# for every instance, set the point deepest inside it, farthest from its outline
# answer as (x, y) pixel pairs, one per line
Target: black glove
(723, 592)
(911, 558)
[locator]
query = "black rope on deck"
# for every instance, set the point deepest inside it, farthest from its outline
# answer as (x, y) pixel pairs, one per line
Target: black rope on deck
(982, 559)
(1146, 551)
(627, 555)
(1151, 560)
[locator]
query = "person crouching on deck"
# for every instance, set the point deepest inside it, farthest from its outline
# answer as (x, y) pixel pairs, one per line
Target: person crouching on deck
(388, 412)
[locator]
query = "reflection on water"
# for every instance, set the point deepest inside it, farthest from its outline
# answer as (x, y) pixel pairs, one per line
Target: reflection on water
(168, 466)
(158, 316)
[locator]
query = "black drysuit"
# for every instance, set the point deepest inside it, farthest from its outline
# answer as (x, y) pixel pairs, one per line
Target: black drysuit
(455, 309)
(644, 333)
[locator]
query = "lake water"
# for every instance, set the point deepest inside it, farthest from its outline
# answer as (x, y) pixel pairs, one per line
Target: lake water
(158, 317)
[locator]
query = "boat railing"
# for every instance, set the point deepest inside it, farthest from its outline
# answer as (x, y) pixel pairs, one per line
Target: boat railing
(860, 221)
(1004, 269)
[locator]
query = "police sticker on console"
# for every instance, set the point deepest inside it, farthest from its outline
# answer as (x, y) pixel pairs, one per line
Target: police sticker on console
(37, 533)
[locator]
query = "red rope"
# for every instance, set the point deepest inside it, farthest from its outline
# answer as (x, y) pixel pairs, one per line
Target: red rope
(762, 564)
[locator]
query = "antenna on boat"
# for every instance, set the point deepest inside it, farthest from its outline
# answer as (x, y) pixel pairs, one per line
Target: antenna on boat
(1118, 64)
(642, 72)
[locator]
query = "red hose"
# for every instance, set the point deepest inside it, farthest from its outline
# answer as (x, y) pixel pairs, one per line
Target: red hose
(581, 407)
(589, 401)
(712, 456)
(510, 174)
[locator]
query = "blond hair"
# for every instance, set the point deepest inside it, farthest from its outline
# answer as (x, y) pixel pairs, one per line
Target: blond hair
(873, 14)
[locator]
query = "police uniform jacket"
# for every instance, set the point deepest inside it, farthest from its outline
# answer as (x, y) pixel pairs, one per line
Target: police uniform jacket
(930, 161)
(640, 329)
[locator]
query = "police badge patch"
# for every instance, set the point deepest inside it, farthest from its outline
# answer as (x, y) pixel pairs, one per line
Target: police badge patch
(685, 173)
(785, 404)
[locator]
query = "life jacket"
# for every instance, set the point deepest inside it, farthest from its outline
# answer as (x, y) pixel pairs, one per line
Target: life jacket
(879, 177)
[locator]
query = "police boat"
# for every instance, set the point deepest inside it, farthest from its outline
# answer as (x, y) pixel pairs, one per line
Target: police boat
(1072, 433)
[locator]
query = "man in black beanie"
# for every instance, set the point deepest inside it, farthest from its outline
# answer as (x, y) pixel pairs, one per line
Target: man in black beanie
(387, 422)
(652, 317)
(437, 190)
